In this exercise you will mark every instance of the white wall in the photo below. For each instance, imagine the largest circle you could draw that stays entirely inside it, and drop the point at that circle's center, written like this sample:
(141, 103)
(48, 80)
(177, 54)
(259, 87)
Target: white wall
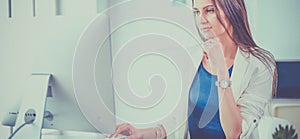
(275, 26)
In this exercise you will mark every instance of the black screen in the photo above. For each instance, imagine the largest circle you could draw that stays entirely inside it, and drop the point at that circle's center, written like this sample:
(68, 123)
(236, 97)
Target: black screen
(288, 79)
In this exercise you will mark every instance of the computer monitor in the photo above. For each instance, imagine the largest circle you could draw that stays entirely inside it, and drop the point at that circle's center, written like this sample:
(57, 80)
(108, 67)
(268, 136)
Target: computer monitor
(51, 45)
(288, 79)
(80, 95)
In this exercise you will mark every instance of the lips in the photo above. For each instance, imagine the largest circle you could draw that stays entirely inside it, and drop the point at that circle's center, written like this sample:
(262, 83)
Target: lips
(205, 29)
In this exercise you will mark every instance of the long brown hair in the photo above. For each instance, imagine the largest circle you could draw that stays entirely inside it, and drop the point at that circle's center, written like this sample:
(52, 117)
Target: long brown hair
(235, 12)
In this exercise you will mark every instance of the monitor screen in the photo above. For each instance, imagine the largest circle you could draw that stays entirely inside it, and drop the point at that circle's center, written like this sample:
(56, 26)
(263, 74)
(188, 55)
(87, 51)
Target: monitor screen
(288, 79)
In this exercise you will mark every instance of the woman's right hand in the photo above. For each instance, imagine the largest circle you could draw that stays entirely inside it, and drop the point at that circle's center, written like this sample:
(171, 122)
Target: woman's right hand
(127, 130)
(214, 53)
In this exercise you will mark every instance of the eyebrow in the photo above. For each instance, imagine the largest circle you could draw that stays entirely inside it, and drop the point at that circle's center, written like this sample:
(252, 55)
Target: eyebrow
(207, 6)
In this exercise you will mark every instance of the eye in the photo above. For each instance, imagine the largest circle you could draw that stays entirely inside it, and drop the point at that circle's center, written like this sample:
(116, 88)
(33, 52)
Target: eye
(210, 10)
(196, 12)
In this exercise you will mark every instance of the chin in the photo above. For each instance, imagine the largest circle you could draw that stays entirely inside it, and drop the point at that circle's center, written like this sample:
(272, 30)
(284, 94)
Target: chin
(208, 36)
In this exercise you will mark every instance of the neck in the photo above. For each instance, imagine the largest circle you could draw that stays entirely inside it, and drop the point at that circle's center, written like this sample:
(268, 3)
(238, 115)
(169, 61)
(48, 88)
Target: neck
(229, 47)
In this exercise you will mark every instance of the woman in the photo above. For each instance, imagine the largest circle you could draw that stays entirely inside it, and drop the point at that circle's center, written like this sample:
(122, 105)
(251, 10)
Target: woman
(235, 77)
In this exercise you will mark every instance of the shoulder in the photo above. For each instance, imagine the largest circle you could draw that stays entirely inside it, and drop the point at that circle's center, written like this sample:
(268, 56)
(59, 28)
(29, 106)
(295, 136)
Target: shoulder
(254, 64)
(257, 65)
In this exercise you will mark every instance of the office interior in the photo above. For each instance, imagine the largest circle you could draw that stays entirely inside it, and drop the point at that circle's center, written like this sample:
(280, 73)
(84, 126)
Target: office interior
(35, 33)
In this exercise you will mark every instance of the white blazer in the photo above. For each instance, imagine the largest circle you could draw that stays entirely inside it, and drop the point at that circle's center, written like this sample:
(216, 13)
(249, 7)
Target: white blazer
(251, 87)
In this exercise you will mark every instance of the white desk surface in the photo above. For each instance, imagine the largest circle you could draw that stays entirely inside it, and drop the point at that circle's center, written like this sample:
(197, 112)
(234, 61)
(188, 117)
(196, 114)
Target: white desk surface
(55, 134)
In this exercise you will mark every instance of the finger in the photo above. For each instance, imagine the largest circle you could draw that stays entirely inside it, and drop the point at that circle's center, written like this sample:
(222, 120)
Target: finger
(117, 132)
(207, 43)
(125, 125)
(111, 135)
(117, 129)
(211, 44)
(207, 46)
(205, 54)
(121, 125)
(123, 128)
(212, 41)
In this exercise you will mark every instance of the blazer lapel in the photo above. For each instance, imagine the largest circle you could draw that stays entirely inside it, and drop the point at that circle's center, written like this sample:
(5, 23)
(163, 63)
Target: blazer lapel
(240, 67)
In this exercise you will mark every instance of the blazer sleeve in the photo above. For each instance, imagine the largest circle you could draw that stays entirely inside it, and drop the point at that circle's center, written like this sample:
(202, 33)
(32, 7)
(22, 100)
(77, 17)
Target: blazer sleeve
(253, 101)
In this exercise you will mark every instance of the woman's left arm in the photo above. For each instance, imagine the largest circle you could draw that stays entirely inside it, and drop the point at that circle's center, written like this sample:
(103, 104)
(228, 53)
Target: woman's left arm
(230, 116)
(255, 97)
(240, 118)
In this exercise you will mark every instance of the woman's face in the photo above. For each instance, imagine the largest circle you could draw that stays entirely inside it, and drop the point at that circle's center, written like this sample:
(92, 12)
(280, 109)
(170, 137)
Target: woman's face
(207, 20)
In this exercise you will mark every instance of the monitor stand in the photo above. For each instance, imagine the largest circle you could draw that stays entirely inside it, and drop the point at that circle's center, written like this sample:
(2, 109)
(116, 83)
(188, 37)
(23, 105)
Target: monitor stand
(33, 107)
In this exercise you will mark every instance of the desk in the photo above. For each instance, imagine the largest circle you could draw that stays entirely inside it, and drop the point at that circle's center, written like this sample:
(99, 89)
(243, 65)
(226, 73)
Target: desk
(55, 134)
(288, 109)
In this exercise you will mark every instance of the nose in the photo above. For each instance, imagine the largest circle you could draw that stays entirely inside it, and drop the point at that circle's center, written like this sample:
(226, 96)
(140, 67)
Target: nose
(202, 19)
